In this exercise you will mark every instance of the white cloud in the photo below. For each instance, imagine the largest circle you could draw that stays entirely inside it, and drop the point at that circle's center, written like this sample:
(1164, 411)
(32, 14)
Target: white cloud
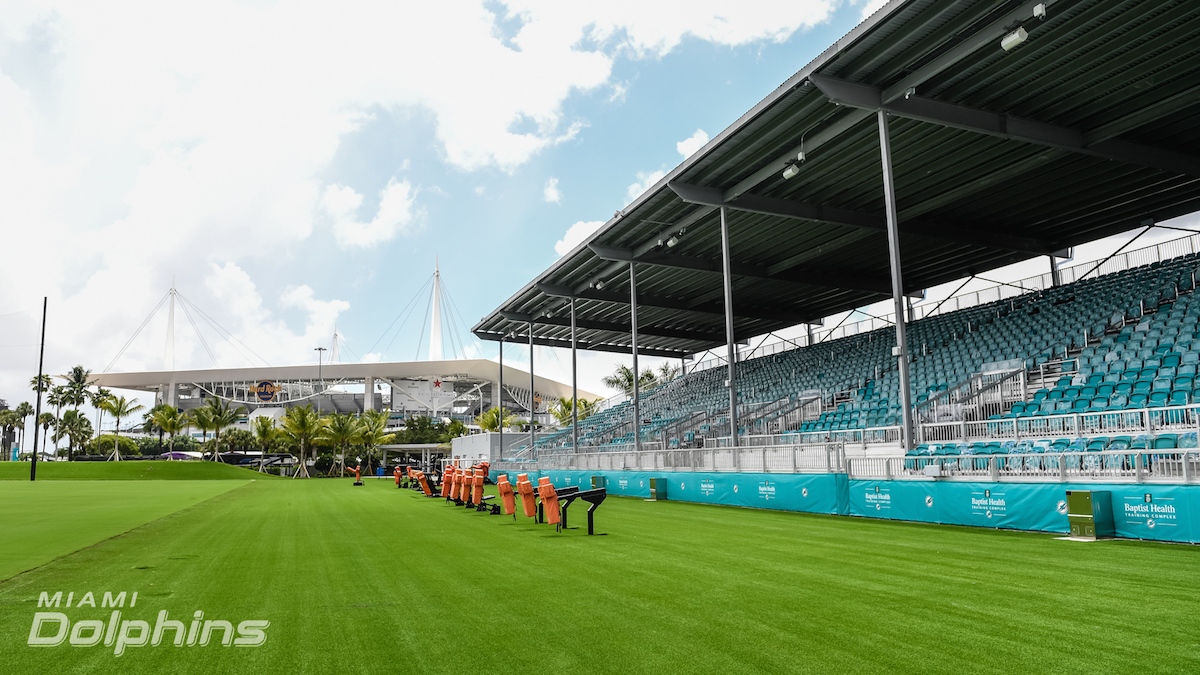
(871, 7)
(185, 135)
(690, 145)
(644, 182)
(575, 236)
(395, 214)
(550, 191)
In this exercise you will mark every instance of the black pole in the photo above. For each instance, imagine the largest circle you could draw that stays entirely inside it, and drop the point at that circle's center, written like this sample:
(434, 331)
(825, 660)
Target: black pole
(38, 410)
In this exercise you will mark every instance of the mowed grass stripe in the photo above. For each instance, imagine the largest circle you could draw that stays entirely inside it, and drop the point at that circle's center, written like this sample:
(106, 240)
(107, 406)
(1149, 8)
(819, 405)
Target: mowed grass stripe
(131, 470)
(375, 579)
(44, 520)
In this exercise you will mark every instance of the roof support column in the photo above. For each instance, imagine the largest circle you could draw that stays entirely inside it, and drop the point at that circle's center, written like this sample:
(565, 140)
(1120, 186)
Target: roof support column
(369, 394)
(499, 398)
(532, 398)
(637, 406)
(730, 342)
(1055, 280)
(574, 385)
(893, 228)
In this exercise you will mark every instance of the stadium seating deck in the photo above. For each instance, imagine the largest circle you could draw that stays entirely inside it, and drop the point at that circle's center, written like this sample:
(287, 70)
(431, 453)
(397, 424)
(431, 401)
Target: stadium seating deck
(1120, 342)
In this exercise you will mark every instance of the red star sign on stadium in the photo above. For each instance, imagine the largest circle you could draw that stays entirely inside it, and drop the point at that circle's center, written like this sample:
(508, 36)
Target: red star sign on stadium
(437, 383)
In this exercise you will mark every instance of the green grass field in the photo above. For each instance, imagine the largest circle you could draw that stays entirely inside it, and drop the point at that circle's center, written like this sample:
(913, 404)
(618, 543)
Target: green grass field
(375, 579)
(132, 470)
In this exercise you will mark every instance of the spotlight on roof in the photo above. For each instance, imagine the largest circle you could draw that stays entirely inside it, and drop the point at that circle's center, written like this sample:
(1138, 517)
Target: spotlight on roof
(909, 93)
(672, 241)
(599, 285)
(1010, 41)
(790, 172)
(1039, 11)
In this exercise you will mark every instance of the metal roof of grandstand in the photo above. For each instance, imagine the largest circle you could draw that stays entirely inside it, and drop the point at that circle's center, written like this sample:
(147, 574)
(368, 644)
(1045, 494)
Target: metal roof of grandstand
(1084, 130)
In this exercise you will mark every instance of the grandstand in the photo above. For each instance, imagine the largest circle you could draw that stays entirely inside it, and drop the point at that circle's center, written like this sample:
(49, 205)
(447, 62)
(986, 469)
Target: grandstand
(935, 142)
(1121, 341)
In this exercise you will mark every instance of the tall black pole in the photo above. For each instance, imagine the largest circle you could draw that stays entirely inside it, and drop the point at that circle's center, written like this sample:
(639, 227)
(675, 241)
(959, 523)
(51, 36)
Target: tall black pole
(37, 423)
(500, 412)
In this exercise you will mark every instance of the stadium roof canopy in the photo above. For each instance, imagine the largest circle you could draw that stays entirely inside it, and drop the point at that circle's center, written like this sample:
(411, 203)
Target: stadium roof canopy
(1084, 130)
(481, 370)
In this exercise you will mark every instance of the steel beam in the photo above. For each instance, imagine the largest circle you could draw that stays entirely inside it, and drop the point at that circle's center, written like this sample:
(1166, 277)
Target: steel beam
(981, 121)
(824, 278)
(565, 343)
(889, 193)
(730, 340)
(574, 384)
(788, 208)
(633, 333)
(532, 400)
(983, 36)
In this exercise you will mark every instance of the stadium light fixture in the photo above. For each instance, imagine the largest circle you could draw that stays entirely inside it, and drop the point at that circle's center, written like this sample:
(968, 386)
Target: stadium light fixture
(672, 241)
(1010, 41)
(791, 171)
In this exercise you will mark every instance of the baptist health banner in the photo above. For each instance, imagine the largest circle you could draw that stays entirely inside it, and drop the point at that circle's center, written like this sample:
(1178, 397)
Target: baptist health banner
(1162, 512)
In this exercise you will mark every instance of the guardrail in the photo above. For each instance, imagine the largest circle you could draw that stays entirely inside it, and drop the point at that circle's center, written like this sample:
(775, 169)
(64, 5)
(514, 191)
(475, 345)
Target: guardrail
(1138, 466)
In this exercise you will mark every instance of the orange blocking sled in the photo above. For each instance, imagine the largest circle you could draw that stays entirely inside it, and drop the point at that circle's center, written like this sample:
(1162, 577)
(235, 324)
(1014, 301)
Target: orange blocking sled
(525, 489)
(477, 484)
(505, 489)
(424, 483)
(464, 485)
(549, 500)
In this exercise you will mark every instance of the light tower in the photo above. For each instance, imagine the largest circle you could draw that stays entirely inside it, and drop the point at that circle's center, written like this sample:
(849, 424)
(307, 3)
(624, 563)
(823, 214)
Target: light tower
(435, 330)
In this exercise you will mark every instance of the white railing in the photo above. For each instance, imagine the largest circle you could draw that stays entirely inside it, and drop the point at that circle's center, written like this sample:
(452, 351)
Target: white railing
(1118, 263)
(1138, 466)
(1139, 422)
(822, 458)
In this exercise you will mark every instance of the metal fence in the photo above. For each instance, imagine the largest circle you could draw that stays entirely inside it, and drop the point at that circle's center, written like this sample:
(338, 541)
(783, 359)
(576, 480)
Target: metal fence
(1142, 466)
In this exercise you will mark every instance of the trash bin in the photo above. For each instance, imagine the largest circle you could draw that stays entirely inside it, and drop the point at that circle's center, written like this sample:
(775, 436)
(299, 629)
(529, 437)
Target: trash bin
(598, 482)
(658, 489)
(1089, 513)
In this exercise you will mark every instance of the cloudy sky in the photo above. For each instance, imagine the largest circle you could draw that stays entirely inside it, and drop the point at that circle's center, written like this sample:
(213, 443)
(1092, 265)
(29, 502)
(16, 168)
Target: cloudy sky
(292, 166)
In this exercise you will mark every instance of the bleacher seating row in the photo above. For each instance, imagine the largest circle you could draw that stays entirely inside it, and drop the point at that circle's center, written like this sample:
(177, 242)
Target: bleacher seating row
(1123, 341)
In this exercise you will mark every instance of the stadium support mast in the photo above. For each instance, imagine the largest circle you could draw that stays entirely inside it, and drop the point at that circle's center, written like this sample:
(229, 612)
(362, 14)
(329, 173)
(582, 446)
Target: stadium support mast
(169, 352)
(893, 225)
(435, 330)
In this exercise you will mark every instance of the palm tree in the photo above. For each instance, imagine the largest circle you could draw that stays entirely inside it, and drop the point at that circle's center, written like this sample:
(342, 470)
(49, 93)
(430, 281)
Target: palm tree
(8, 422)
(342, 432)
(56, 398)
(622, 380)
(562, 410)
(303, 425)
(45, 380)
(77, 429)
(76, 394)
(221, 416)
(47, 420)
(667, 372)
(99, 400)
(201, 418)
(24, 410)
(150, 424)
(119, 407)
(374, 431)
(265, 433)
(494, 419)
(168, 419)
